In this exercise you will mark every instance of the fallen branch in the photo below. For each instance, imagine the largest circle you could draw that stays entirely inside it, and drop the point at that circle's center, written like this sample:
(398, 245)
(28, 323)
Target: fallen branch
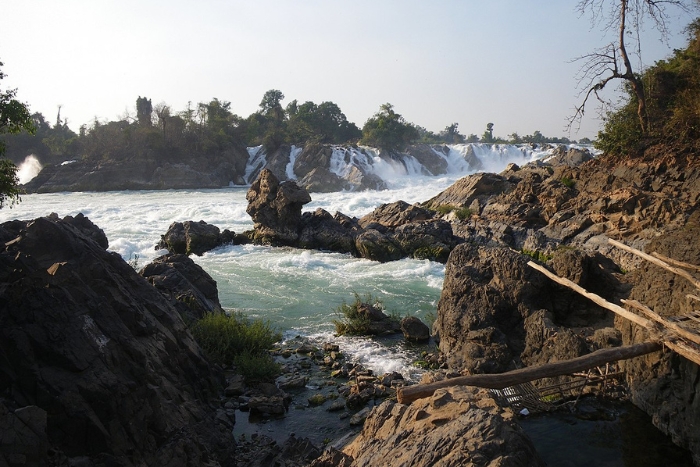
(408, 394)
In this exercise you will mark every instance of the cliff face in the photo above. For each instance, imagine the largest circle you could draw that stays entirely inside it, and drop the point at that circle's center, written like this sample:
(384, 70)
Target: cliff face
(94, 360)
(666, 385)
(493, 312)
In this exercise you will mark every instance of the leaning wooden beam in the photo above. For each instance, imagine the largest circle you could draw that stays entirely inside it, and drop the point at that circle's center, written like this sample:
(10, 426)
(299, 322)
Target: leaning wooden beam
(593, 297)
(661, 320)
(657, 262)
(686, 349)
(408, 394)
(675, 262)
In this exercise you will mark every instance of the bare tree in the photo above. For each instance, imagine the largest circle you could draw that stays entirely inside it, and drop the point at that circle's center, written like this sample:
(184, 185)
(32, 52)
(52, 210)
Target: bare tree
(612, 61)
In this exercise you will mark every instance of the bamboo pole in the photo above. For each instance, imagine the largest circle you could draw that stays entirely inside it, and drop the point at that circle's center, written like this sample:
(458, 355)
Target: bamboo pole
(593, 297)
(664, 322)
(408, 394)
(657, 262)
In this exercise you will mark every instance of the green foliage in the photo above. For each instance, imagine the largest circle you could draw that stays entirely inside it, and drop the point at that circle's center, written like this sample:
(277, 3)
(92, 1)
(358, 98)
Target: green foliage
(672, 100)
(14, 118)
(234, 339)
(536, 255)
(257, 367)
(462, 213)
(351, 321)
(388, 130)
(567, 182)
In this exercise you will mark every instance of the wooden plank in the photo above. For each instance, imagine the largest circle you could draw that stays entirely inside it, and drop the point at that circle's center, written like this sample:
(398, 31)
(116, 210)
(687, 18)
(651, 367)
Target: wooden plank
(657, 262)
(593, 297)
(684, 333)
(408, 394)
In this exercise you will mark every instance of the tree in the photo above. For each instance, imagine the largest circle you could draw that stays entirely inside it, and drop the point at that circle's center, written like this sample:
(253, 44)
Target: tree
(488, 134)
(612, 61)
(388, 130)
(451, 135)
(14, 118)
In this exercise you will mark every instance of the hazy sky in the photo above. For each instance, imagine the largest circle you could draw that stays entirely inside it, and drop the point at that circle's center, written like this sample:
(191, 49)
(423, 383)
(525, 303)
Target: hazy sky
(437, 61)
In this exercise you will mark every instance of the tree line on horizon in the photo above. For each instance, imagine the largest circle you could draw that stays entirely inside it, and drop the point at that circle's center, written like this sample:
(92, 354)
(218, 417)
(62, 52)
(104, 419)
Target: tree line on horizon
(210, 128)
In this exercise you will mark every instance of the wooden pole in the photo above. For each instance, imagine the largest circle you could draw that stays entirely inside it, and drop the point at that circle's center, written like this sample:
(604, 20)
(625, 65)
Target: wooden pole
(593, 297)
(661, 320)
(408, 394)
(675, 262)
(657, 262)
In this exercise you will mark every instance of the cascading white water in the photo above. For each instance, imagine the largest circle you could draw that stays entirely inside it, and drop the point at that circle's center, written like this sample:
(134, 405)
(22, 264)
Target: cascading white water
(293, 153)
(28, 169)
(395, 169)
(256, 161)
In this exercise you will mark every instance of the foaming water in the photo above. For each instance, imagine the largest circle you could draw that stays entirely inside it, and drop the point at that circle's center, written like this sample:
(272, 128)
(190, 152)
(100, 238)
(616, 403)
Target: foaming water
(298, 291)
(28, 169)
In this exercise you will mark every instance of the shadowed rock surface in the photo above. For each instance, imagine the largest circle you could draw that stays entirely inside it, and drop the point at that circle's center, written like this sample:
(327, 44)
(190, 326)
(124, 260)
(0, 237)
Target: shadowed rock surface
(96, 360)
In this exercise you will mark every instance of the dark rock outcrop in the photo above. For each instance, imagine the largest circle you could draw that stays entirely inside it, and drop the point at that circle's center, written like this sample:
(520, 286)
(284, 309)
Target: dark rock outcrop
(276, 209)
(96, 360)
(665, 384)
(495, 311)
(191, 237)
(180, 279)
(414, 329)
(391, 232)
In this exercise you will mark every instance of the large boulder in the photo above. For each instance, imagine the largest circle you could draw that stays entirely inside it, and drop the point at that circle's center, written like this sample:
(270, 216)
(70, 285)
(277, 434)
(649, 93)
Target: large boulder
(193, 237)
(180, 279)
(91, 346)
(496, 313)
(455, 427)
(276, 209)
(321, 231)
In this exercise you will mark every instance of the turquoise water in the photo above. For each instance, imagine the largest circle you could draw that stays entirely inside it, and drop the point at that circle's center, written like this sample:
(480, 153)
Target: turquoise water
(298, 291)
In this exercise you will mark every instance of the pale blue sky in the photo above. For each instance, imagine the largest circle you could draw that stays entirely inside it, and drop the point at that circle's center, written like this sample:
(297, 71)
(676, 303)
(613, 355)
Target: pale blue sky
(503, 61)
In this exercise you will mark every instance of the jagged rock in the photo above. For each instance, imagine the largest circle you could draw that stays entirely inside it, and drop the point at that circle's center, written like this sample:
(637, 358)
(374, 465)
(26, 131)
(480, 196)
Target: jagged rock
(322, 231)
(374, 245)
(431, 239)
(180, 279)
(486, 294)
(23, 436)
(100, 351)
(414, 329)
(395, 214)
(193, 237)
(664, 384)
(466, 190)
(571, 157)
(455, 427)
(276, 209)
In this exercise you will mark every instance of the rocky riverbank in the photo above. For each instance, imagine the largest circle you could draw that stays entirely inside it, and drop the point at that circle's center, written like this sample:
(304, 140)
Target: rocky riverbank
(121, 381)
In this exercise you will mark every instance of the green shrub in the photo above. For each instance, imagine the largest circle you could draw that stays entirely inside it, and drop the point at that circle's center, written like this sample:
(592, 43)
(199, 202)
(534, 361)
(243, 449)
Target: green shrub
(463, 213)
(568, 182)
(444, 209)
(351, 322)
(257, 367)
(234, 339)
(536, 255)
